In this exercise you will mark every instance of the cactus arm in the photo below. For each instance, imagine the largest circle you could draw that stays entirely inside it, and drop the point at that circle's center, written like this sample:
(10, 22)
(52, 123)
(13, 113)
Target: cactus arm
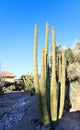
(59, 70)
(47, 78)
(36, 79)
(43, 92)
(46, 51)
(53, 89)
(46, 38)
(62, 88)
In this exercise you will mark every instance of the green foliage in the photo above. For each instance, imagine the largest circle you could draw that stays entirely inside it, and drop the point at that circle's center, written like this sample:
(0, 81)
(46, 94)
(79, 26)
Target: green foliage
(28, 80)
(73, 54)
(77, 46)
(73, 60)
(8, 88)
(73, 72)
(76, 55)
(69, 56)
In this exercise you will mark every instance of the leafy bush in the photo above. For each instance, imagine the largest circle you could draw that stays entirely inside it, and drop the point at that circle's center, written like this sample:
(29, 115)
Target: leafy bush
(29, 84)
(8, 88)
(75, 95)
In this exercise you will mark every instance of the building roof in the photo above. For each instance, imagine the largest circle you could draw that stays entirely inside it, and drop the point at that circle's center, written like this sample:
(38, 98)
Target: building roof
(6, 74)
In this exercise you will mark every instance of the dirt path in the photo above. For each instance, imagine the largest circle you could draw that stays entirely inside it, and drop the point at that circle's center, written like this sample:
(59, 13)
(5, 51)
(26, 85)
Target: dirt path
(69, 121)
(6, 103)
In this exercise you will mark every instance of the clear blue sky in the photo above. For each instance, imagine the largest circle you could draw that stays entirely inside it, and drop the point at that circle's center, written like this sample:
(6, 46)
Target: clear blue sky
(17, 20)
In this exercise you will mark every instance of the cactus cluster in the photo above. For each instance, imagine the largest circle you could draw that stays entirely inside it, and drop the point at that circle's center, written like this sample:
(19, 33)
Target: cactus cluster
(50, 93)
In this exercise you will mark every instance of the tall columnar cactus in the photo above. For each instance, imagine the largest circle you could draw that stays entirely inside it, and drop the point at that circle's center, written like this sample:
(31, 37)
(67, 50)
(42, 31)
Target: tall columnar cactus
(36, 79)
(44, 84)
(59, 80)
(46, 38)
(46, 52)
(47, 77)
(50, 101)
(62, 88)
(53, 89)
(43, 92)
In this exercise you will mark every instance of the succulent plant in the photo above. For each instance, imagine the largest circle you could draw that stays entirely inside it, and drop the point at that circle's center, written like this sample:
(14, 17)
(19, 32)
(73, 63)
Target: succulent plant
(50, 100)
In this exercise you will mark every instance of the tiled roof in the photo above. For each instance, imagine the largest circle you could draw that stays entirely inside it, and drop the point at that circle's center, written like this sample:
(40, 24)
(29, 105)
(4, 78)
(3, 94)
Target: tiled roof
(7, 74)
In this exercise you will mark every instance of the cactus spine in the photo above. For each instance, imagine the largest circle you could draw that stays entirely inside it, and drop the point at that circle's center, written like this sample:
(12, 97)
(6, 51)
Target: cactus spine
(53, 89)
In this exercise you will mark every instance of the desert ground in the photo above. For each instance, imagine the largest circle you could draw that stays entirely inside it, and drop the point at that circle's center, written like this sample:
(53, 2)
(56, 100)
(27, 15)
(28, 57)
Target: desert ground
(31, 116)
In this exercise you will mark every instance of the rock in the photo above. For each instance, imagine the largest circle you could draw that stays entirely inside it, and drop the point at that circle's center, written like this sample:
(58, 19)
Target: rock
(70, 121)
(38, 127)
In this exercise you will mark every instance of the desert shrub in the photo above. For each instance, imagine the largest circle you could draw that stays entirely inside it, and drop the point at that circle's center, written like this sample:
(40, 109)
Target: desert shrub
(19, 85)
(75, 95)
(8, 88)
(73, 72)
(29, 84)
(69, 56)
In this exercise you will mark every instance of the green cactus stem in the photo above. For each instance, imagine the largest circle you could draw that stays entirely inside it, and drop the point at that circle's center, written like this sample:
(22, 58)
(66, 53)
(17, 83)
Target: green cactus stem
(36, 79)
(50, 96)
(46, 51)
(62, 88)
(47, 76)
(43, 92)
(46, 38)
(53, 89)
(59, 80)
